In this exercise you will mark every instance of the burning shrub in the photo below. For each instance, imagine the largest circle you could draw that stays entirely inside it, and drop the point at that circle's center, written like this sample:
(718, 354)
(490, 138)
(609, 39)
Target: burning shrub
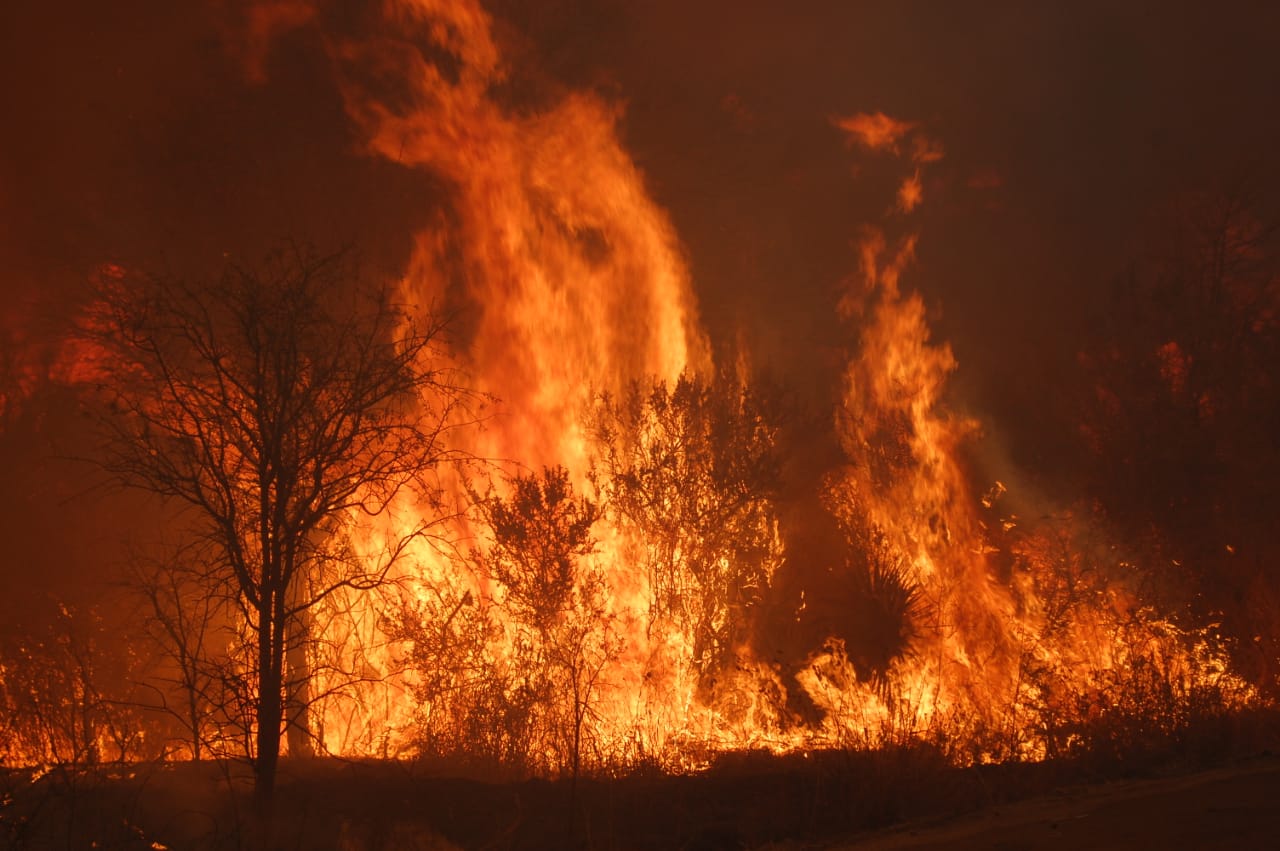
(1105, 674)
(469, 707)
(561, 634)
(693, 471)
(64, 696)
(513, 678)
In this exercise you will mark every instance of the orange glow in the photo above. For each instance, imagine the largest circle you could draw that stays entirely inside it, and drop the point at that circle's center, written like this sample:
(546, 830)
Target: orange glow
(1003, 637)
(574, 279)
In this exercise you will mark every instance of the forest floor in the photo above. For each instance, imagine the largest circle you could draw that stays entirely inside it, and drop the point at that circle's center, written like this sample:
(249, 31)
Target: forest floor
(903, 799)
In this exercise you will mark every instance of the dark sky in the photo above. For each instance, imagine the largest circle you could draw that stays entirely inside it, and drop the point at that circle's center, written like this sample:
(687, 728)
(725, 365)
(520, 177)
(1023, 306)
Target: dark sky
(1067, 128)
(131, 133)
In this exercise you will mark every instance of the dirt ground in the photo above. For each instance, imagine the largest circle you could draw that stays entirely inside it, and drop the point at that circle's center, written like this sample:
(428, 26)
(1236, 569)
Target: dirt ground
(1237, 807)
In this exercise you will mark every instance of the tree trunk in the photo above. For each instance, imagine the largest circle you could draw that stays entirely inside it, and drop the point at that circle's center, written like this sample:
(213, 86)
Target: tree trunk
(298, 685)
(270, 710)
(193, 713)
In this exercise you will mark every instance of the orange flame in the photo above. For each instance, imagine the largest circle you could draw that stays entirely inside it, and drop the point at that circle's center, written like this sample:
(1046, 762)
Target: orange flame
(571, 283)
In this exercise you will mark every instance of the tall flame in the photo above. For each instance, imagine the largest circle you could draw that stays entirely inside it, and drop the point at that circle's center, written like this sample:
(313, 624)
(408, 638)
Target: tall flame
(572, 272)
(907, 481)
(567, 277)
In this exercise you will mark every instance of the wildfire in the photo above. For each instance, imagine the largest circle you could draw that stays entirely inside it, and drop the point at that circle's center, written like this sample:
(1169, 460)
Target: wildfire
(575, 278)
(596, 601)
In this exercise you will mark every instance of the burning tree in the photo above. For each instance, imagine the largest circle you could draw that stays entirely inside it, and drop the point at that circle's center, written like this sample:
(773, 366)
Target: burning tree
(539, 538)
(695, 469)
(275, 407)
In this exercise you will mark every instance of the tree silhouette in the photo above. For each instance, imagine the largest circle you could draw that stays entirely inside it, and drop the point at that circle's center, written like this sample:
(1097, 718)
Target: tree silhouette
(181, 618)
(276, 406)
(1179, 413)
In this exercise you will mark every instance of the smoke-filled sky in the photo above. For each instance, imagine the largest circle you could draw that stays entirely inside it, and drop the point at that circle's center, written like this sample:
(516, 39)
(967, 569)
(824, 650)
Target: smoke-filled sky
(166, 135)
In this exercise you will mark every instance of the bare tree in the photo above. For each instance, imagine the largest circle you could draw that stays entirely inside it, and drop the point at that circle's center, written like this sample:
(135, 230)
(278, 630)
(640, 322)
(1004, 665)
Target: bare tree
(275, 407)
(186, 614)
